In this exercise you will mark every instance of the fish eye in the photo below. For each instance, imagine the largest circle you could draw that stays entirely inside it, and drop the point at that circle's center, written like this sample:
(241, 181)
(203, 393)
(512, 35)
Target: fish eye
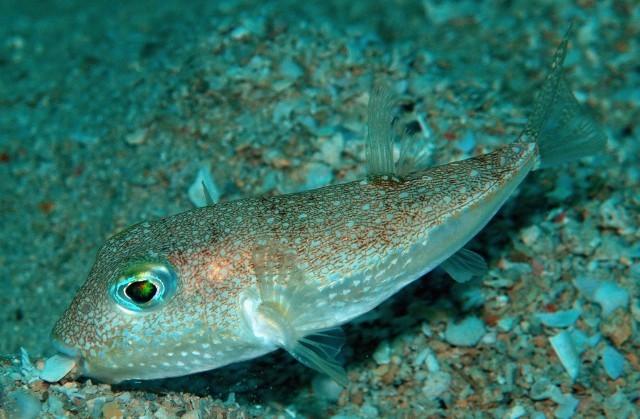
(143, 287)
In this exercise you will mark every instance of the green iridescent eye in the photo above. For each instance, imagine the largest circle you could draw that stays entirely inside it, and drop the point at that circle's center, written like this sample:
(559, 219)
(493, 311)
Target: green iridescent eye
(143, 287)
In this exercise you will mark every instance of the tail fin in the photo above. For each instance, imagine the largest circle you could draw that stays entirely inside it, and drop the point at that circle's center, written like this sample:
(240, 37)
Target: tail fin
(557, 123)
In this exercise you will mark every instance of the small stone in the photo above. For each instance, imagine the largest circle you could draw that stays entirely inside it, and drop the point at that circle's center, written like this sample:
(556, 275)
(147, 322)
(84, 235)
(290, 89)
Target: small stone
(613, 362)
(192, 414)
(124, 397)
(325, 388)
(530, 235)
(162, 413)
(318, 175)
(505, 324)
(619, 406)
(436, 384)
(466, 333)
(56, 367)
(617, 327)
(567, 405)
(111, 410)
(382, 354)
(568, 354)
(608, 295)
(563, 318)
(331, 149)
(136, 137)
(23, 405)
(516, 412)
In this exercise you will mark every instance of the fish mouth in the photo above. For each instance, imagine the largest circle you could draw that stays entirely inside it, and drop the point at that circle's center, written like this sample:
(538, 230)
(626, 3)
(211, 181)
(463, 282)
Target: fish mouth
(64, 348)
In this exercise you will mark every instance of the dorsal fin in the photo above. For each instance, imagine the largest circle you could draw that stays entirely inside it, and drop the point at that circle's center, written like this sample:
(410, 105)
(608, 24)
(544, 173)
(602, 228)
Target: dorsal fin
(382, 135)
(381, 122)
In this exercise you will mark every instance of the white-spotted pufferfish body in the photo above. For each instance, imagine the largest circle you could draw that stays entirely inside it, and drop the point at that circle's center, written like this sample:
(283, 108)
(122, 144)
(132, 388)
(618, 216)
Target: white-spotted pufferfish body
(233, 281)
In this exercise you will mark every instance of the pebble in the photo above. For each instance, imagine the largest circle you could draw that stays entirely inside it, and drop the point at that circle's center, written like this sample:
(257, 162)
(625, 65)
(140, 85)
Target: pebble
(567, 405)
(516, 412)
(617, 327)
(331, 150)
(560, 319)
(136, 137)
(23, 405)
(505, 324)
(111, 410)
(468, 332)
(56, 367)
(318, 175)
(613, 362)
(325, 388)
(468, 142)
(382, 354)
(607, 295)
(436, 384)
(567, 353)
(619, 406)
(530, 235)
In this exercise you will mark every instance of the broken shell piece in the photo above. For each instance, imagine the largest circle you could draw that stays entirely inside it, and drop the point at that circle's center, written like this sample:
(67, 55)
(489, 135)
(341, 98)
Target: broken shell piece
(608, 295)
(613, 362)
(203, 191)
(567, 353)
(560, 319)
(56, 367)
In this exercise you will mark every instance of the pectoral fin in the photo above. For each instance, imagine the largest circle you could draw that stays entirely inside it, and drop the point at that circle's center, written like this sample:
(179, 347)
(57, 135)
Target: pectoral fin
(319, 351)
(284, 311)
(464, 265)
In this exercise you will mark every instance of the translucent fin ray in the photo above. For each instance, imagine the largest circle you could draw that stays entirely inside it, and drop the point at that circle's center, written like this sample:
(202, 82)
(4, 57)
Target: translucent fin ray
(288, 305)
(379, 144)
(464, 265)
(557, 122)
(413, 153)
(318, 352)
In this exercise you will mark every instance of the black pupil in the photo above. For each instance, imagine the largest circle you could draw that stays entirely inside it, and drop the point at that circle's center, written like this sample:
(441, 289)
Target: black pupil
(141, 291)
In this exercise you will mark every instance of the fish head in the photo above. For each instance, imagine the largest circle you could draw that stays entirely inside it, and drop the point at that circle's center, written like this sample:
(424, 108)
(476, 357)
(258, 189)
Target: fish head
(147, 311)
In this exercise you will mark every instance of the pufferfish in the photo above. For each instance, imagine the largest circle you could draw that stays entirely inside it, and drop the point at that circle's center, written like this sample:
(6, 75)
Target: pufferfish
(233, 281)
